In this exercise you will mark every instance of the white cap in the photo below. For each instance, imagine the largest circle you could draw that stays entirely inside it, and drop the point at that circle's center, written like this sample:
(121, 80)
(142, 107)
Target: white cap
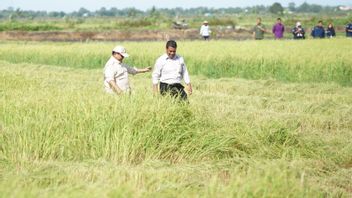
(121, 50)
(298, 24)
(205, 21)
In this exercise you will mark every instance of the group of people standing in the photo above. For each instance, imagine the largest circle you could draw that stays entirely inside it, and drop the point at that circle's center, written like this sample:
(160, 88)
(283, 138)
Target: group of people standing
(278, 30)
(169, 70)
(298, 31)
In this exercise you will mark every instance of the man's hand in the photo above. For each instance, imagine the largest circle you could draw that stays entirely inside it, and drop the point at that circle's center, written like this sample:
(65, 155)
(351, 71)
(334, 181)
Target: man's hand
(189, 89)
(115, 88)
(155, 89)
(147, 69)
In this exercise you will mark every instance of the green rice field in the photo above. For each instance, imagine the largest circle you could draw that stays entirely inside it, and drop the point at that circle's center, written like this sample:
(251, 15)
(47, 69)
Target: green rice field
(266, 119)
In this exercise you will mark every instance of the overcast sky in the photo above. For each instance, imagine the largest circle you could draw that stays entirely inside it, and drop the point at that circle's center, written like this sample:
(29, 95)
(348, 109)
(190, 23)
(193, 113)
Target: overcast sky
(92, 5)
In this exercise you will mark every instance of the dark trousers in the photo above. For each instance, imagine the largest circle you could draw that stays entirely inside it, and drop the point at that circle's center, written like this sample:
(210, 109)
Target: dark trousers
(175, 90)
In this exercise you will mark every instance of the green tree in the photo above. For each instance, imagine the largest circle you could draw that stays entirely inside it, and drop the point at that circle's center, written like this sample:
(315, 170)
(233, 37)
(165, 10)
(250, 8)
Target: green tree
(315, 8)
(276, 8)
(305, 7)
(292, 6)
(153, 12)
(82, 11)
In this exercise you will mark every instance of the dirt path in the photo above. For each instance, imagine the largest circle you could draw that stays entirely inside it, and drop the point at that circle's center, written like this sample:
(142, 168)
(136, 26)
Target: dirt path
(145, 35)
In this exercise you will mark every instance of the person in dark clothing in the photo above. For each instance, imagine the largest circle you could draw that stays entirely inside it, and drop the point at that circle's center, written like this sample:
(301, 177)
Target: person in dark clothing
(349, 30)
(298, 31)
(318, 31)
(330, 31)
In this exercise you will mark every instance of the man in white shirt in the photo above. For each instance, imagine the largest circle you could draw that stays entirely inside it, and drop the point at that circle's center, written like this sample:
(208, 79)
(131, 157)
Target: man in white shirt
(170, 69)
(205, 30)
(116, 72)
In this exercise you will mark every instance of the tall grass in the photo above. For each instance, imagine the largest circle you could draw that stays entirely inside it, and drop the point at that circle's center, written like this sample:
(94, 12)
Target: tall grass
(288, 61)
(61, 135)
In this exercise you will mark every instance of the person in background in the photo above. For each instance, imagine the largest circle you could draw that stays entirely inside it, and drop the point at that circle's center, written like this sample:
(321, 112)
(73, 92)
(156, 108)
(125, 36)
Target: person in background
(170, 69)
(278, 29)
(259, 30)
(318, 31)
(298, 31)
(349, 30)
(330, 31)
(205, 30)
(116, 72)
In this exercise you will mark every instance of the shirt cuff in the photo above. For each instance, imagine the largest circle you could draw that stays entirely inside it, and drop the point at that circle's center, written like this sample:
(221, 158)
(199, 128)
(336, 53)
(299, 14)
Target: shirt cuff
(155, 82)
(108, 79)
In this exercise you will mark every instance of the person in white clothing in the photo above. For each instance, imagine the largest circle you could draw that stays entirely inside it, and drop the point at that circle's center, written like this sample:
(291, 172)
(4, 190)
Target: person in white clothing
(116, 72)
(205, 30)
(170, 69)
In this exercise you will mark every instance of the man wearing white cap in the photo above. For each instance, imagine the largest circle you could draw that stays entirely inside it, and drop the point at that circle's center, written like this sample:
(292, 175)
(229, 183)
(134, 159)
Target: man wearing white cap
(298, 32)
(205, 30)
(116, 72)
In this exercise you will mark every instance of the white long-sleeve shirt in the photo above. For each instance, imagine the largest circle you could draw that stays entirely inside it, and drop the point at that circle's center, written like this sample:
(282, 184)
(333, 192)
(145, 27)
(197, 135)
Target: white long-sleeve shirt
(205, 30)
(118, 72)
(170, 71)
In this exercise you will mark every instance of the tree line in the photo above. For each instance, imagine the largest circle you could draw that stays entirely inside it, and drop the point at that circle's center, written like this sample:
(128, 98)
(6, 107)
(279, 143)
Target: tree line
(275, 8)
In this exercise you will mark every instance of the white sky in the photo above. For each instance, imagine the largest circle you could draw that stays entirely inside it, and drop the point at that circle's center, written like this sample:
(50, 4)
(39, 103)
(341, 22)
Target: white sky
(92, 5)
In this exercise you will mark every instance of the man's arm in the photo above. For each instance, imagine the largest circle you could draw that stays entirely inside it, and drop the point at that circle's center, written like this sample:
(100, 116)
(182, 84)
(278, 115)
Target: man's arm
(293, 31)
(135, 70)
(186, 78)
(262, 28)
(253, 30)
(147, 69)
(115, 88)
(156, 76)
(109, 74)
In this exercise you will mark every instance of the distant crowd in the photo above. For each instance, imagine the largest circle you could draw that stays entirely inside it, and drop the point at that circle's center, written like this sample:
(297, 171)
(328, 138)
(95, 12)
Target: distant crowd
(278, 30)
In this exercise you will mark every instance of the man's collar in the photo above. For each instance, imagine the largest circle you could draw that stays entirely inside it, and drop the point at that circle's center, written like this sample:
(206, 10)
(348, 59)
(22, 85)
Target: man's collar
(167, 57)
